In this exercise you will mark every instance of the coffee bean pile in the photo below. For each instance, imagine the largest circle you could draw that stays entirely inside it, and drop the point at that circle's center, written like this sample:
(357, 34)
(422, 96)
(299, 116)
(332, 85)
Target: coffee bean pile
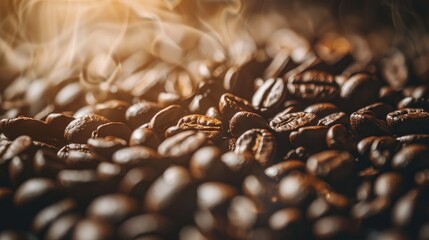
(267, 150)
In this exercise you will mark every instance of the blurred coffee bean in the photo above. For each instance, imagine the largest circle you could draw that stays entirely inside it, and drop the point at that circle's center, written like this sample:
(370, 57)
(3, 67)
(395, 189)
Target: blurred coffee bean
(144, 225)
(243, 121)
(63, 227)
(288, 223)
(379, 110)
(260, 142)
(269, 96)
(375, 213)
(138, 156)
(206, 165)
(359, 90)
(310, 137)
(215, 197)
(414, 139)
(335, 227)
(80, 129)
(140, 113)
(144, 137)
(239, 165)
(411, 158)
(382, 151)
(112, 208)
(407, 212)
(106, 146)
(365, 125)
(70, 97)
(408, 121)
(137, 181)
(213, 112)
(208, 95)
(166, 117)
(109, 172)
(57, 123)
(20, 169)
(389, 185)
(280, 170)
(88, 229)
(313, 86)
(211, 127)
(21, 145)
(182, 145)
(112, 129)
(13, 128)
(230, 104)
(338, 137)
(296, 189)
(325, 206)
(14, 235)
(244, 215)
(114, 110)
(410, 102)
(322, 109)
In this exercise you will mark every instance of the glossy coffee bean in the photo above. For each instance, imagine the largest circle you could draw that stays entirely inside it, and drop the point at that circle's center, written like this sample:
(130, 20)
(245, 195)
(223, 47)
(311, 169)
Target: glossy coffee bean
(334, 118)
(114, 110)
(311, 137)
(106, 146)
(322, 109)
(144, 137)
(137, 156)
(288, 122)
(313, 86)
(296, 189)
(101, 208)
(78, 156)
(57, 123)
(166, 118)
(21, 145)
(243, 121)
(211, 127)
(411, 158)
(280, 170)
(15, 127)
(182, 145)
(379, 110)
(140, 113)
(206, 165)
(80, 129)
(339, 137)
(260, 142)
(230, 104)
(359, 90)
(410, 102)
(408, 121)
(414, 139)
(88, 229)
(382, 151)
(269, 96)
(112, 129)
(365, 125)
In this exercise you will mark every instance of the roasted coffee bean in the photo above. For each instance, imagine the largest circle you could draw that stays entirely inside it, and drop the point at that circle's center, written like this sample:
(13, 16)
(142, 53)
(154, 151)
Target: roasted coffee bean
(171, 131)
(112, 129)
(244, 215)
(338, 137)
(145, 225)
(213, 112)
(211, 127)
(334, 118)
(311, 137)
(313, 86)
(336, 167)
(114, 110)
(47, 216)
(375, 213)
(80, 129)
(109, 172)
(13, 128)
(288, 223)
(173, 194)
(79, 156)
(138, 156)
(70, 97)
(20, 145)
(365, 125)
(408, 121)
(137, 181)
(411, 158)
(389, 95)
(15, 235)
(208, 94)
(406, 212)
(382, 151)
(269, 96)
(20, 169)
(296, 189)
(215, 197)
(206, 165)
(140, 113)
(364, 146)
(330, 204)
(260, 189)
(322, 109)
(166, 117)
(63, 227)
(281, 64)
(144, 137)
(243, 121)
(230, 104)
(106, 146)
(57, 123)
(414, 139)
(421, 178)
(389, 185)
(260, 142)
(359, 90)
(88, 229)
(280, 170)
(410, 102)
(182, 145)
(101, 208)
(47, 164)
(335, 227)
(288, 122)
(379, 110)
(299, 153)
(239, 166)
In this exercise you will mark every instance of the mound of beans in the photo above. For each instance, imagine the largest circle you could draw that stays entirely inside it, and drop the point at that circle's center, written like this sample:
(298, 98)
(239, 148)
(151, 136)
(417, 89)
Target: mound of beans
(308, 150)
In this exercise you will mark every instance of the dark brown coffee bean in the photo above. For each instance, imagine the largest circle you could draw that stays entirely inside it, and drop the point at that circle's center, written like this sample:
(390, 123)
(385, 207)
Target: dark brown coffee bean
(411, 158)
(394, 69)
(389, 185)
(80, 129)
(14, 235)
(288, 223)
(88, 229)
(329, 204)
(112, 129)
(313, 86)
(338, 137)
(243, 121)
(260, 142)
(312, 137)
(173, 194)
(166, 118)
(230, 104)
(296, 189)
(406, 212)
(375, 213)
(109, 172)
(57, 123)
(114, 110)
(299, 153)
(408, 121)
(137, 181)
(334, 118)
(336, 167)
(335, 227)
(365, 125)
(364, 146)
(47, 164)
(379, 110)
(392, 235)
(359, 90)
(244, 215)
(137, 156)
(269, 96)
(70, 97)
(145, 225)
(260, 189)
(215, 197)
(13, 128)
(47, 216)
(20, 169)
(20, 145)
(79, 156)
(171, 131)
(389, 95)
(206, 165)
(140, 113)
(281, 64)
(280, 170)
(208, 95)
(211, 127)
(322, 109)
(421, 178)
(106, 146)
(144, 137)
(239, 165)
(182, 145)
(414, 139)
(288, 122)
(410, 102)
(213, 112)
(63, 227)
(101, 208)
(382, 151)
